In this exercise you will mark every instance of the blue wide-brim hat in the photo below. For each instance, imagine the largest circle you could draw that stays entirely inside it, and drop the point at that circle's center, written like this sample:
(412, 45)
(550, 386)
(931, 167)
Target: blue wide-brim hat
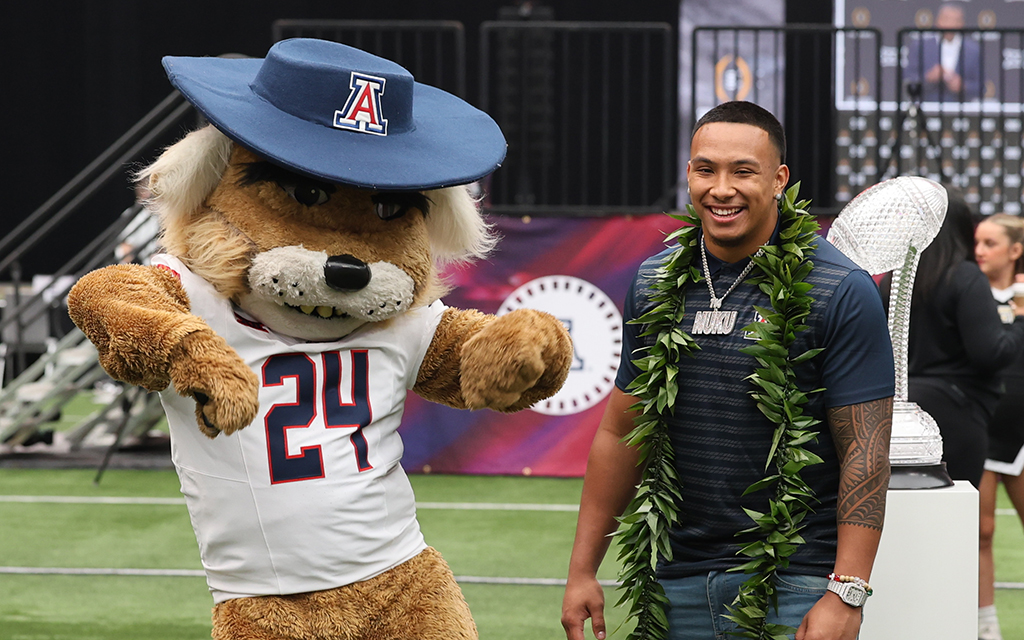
(339, 114)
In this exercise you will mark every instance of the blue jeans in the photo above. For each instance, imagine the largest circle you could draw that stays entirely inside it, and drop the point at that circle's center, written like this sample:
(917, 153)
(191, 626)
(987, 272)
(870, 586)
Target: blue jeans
(697, 603)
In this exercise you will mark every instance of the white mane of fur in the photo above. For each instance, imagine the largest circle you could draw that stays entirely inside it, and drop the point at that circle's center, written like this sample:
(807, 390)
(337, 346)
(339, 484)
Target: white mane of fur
(188, 171)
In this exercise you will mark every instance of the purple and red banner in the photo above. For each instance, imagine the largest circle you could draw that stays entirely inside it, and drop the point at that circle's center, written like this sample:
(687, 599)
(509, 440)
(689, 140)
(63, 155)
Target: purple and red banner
(577, 269)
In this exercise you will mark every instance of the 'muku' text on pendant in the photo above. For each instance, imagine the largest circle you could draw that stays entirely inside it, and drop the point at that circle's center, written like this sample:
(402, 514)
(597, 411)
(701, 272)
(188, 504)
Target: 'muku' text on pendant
(713, 322)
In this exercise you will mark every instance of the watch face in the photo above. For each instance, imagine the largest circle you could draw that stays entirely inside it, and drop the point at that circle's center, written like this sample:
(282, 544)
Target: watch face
(855, 595)
(849, 592)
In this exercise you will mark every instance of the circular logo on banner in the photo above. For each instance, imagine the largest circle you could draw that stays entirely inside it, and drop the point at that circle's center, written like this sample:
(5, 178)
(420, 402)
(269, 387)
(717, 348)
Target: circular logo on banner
(595, 325)
(732, 80)
(861, 17)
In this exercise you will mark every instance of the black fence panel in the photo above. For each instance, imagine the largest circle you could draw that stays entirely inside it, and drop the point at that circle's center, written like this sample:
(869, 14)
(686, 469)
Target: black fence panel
(588, 109)
(434, 51)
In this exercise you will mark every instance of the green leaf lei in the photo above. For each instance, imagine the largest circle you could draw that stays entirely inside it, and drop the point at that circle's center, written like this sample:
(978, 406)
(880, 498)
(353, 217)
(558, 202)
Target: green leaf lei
(644, 528)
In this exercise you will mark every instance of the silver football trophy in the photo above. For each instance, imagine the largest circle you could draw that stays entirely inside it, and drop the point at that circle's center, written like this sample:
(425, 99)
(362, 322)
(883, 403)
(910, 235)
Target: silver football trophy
(885, 228)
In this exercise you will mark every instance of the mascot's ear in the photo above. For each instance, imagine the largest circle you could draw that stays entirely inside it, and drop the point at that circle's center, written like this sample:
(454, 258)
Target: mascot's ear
(456, 228)
(187, 172)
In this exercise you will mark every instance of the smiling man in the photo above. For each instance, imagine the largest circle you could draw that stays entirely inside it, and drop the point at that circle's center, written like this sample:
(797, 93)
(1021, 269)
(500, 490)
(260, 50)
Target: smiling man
(733, 175)
(720, 438)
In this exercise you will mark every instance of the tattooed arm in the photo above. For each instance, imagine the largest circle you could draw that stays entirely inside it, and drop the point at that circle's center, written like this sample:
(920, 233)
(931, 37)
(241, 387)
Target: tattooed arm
(861, 434)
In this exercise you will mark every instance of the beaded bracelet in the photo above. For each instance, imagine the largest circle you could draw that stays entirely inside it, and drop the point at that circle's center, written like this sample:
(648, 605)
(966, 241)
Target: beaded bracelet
(860, 582)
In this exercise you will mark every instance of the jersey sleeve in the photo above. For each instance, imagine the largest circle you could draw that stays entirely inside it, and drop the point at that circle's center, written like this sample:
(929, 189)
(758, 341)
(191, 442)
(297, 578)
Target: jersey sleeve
(630, 341)
(170, 263)
(858, 363)
(422, 331)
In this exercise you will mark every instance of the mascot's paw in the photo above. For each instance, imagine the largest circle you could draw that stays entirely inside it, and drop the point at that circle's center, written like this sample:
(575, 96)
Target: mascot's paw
(515, 361)
(226, 391)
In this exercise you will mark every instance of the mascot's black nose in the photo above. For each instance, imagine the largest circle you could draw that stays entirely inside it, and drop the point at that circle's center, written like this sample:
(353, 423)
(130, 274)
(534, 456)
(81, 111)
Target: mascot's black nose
(346, 273)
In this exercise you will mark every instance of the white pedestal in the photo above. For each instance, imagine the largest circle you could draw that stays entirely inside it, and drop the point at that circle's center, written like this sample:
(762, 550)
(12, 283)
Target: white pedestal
(925, 576)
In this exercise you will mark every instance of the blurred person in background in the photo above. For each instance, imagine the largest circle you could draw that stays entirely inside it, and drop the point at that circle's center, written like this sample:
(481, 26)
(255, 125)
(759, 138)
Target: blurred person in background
(998, 248)
(958, 345)
(945, 66)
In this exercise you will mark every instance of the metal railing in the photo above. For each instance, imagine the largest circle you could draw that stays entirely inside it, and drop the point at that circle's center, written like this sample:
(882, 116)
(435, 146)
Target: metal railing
(588, 110)
(964, 130)
(20, 311)
(36, 323)
(434, 51)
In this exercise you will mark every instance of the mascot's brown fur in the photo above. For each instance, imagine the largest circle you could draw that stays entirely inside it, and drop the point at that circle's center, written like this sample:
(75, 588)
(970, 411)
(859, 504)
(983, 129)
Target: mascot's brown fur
(252, 230)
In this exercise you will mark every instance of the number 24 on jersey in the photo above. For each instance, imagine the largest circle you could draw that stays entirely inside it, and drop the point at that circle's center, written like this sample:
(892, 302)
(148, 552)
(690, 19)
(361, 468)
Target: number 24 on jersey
(310, 398)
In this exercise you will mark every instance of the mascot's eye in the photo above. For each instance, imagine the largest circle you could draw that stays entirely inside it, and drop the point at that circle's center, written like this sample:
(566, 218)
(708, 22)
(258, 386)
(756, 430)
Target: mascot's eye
(306, 194)
(304, 190)
(389, 210)
(391, 205)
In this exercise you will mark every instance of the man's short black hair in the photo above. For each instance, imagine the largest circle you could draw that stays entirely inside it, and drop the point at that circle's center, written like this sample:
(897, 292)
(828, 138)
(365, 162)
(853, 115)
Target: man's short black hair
(741, 112)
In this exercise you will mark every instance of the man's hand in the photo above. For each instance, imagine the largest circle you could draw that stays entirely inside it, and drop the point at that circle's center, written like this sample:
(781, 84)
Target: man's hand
(953, 81)
(610, 483)
(830, 619)
(584, 598)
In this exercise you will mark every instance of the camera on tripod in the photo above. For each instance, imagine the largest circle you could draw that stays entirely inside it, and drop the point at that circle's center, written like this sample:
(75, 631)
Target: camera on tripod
(914, 91)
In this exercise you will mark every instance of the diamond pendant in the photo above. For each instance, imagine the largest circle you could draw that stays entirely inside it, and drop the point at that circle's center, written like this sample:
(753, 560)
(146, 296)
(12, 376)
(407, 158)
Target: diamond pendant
(713, 322)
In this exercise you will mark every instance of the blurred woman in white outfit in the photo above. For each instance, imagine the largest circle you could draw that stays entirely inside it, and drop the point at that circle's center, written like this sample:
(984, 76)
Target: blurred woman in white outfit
(998, 248)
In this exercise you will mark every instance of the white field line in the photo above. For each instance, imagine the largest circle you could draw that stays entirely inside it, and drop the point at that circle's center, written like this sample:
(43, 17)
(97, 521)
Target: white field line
(482, 506)
(88, 571)
(193, 573)
(92, 500)
(497, 506)
(462, 506)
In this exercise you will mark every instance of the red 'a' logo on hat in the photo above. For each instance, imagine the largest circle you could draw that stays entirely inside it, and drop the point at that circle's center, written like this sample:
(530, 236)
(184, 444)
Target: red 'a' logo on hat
(362, 109)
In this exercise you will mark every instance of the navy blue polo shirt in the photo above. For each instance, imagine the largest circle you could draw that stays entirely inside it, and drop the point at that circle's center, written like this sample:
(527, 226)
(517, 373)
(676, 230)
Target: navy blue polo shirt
(721, 440)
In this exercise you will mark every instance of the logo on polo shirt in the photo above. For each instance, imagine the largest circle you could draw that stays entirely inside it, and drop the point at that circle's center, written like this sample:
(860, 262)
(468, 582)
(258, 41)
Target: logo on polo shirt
(362, 110)
(750, 335)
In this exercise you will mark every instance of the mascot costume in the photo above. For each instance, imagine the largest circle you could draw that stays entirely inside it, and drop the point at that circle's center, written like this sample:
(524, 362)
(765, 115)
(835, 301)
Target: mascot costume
(296, 303)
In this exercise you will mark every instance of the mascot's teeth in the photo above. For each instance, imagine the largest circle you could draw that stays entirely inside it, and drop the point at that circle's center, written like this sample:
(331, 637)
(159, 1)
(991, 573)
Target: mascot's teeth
(322, 311)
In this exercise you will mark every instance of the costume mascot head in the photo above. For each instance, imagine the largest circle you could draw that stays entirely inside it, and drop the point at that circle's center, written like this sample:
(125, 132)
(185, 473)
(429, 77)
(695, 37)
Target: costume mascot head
(296, 303)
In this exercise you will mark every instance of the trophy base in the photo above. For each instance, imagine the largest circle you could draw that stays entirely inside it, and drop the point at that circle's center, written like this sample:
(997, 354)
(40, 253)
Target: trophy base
(920, 476)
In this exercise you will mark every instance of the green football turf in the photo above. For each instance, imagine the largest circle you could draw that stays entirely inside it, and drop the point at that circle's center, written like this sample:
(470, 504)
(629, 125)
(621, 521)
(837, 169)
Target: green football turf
(521, 544)
(54, 607)
(527, 544)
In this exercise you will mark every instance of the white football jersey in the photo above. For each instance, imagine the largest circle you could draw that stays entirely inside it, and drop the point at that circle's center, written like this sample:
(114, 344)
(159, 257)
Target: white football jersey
(311, 495)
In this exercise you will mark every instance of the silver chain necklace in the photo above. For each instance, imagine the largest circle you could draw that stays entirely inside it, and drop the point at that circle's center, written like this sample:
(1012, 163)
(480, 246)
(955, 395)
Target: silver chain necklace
(716, 321)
